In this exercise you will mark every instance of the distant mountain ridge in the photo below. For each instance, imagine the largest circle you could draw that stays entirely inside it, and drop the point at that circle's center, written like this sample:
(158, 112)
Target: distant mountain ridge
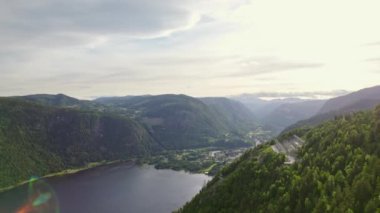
(278, 114)
(59, 100)
(260, 107)
(371, 94)
(364, 99)
(289, 113)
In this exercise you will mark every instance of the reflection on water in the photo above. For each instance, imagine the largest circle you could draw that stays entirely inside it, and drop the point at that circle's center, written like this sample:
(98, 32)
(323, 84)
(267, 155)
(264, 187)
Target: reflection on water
(40, 198)
(113, 189)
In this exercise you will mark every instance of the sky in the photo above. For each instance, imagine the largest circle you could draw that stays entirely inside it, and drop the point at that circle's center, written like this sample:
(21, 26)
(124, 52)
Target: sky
(92, 48)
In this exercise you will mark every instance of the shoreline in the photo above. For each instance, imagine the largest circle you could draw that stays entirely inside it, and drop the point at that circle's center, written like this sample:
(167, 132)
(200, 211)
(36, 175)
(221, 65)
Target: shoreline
(69, 172)
(93, 165)
(202, 172)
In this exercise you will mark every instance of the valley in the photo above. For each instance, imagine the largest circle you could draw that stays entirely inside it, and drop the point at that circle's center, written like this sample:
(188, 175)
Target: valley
(191, 106)
(44, 134)
(54, 136)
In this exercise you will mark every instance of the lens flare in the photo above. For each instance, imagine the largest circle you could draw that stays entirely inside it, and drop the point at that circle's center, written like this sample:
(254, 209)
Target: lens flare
(41, 198)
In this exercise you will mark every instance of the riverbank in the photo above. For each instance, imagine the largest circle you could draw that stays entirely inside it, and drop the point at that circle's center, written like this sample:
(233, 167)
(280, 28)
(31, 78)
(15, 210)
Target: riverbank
(69, 171)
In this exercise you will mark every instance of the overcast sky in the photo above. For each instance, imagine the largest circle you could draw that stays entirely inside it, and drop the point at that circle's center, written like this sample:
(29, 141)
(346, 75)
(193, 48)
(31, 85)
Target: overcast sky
(90, 48)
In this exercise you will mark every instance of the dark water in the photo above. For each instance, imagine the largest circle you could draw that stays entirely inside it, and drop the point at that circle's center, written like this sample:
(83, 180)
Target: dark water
(114, 189)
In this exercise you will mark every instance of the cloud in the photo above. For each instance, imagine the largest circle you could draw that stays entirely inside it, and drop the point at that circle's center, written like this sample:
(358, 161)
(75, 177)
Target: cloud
(373, 60)
(197, 47)
(308, 95)
(373, 44)
(260, 66)
(71, 22)
(188, 60)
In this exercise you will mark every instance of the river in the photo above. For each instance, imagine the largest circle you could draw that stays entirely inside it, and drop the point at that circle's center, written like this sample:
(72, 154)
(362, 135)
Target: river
(123, 188)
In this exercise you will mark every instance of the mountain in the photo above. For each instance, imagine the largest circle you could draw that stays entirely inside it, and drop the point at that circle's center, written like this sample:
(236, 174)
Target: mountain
(371, 95)
(180, 121)
(289, 113)
(364, 99)
(234, 114)
(277, 114)
(42, 134)
(60, 100)
(336, 170)
(37, 139)
(260, 107)
(112, 100)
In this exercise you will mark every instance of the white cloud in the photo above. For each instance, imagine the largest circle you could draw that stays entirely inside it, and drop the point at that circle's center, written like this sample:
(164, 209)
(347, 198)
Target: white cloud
(93, 47)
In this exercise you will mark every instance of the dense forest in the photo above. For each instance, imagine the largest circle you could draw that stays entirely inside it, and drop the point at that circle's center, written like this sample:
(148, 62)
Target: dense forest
(183, 122)
(38, 140)
(337, 170)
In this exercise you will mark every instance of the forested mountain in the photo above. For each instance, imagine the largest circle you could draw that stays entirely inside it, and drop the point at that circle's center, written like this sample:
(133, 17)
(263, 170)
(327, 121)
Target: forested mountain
(37, 139)
(233, 113)
(41, 134)
(337, 170)
(364, 99)
(180, 121)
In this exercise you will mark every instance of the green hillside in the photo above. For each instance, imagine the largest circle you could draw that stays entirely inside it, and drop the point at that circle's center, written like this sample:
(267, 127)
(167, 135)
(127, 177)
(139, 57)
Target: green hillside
(37, 140)
(337, 170)
(180, 121)
(237, 117)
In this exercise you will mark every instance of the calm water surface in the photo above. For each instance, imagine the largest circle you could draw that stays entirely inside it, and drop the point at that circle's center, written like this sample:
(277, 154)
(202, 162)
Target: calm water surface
(116, 189)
